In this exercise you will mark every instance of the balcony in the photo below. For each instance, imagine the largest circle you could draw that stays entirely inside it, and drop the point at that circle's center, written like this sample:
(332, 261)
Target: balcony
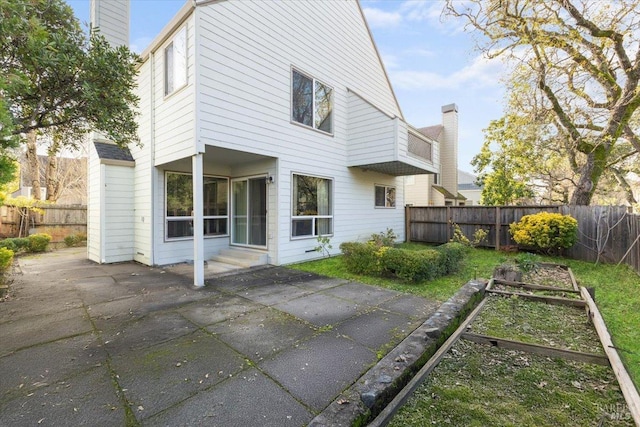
(386, 144)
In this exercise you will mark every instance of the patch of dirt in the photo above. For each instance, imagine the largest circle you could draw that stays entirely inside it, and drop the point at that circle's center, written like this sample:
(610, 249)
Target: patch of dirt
(549, 275)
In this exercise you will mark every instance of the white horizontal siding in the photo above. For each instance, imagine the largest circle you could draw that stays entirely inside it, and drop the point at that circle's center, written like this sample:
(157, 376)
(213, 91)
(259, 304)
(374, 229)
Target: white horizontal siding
(94, 188)
(111, 18)
(118, 245)
(174, 115)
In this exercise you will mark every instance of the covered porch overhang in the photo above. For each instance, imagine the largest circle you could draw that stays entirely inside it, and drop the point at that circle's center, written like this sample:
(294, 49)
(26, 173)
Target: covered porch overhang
(219, 162)
(397, 168)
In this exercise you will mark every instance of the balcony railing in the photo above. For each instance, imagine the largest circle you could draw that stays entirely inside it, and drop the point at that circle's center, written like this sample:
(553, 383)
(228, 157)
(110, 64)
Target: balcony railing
(420, 146)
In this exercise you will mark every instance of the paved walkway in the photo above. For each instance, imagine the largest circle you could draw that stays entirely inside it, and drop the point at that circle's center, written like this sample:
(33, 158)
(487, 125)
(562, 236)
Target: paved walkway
(125, 344)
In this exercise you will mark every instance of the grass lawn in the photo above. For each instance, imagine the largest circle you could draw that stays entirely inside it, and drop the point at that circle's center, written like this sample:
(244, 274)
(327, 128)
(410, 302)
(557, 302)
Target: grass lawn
(617, 291)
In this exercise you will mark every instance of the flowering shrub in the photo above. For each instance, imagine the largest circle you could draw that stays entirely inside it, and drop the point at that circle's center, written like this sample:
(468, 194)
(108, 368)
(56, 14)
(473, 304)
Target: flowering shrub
(6, 258)
(545, 231)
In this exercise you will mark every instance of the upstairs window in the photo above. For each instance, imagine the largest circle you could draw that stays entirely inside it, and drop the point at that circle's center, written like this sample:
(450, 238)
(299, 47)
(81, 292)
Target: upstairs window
(385, 196)
(175, 63)
(311, 102)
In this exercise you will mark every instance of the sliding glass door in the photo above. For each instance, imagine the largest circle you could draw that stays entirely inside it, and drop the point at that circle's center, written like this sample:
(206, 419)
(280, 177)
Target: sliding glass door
(249, 212)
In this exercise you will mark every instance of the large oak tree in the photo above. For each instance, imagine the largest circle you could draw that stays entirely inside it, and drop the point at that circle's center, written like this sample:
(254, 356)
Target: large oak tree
(60, 82)
(582, 60)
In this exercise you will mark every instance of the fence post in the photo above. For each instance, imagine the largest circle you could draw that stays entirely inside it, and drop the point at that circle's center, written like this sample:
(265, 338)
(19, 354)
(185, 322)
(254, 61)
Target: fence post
(449, 224)
(498, 227)
(407, 224)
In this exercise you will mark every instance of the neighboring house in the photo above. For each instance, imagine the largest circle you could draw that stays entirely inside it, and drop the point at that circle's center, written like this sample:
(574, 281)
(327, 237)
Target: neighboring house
(440, 189)
(71, 179)
(263, 126)
(468, 188)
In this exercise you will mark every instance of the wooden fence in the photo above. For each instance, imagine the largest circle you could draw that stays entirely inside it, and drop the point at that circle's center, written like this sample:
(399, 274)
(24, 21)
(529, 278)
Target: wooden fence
(605, 233)
(58, 221)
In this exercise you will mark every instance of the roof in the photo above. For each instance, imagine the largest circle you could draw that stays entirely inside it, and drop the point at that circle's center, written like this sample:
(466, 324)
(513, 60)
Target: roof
(447, 194)
(468, 186)
(107, 151)
(432, 132)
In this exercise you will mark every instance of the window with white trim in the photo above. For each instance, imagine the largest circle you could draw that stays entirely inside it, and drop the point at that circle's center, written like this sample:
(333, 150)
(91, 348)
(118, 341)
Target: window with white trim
(175, 63)
(385, 196)
(312, 214)
(311, 102)
(179, 205)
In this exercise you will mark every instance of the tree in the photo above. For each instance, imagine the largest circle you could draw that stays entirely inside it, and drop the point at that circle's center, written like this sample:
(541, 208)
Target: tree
(581, 59)
(59, 81)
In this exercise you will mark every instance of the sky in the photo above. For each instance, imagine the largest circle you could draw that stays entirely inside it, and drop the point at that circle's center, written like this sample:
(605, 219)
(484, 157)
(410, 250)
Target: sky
(430, 61)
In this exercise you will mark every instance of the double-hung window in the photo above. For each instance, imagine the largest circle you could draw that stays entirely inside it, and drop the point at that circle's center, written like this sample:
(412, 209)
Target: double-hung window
(179, 205)
(311, 102)
(385, 196)
(175, 63)
(312, 206)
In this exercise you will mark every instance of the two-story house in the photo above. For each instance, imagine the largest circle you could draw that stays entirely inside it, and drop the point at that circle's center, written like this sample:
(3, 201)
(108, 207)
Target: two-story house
(263, 125)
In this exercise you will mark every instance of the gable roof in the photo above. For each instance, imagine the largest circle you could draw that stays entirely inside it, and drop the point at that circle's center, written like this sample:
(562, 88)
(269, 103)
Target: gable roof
(432, 132)
(108, 151)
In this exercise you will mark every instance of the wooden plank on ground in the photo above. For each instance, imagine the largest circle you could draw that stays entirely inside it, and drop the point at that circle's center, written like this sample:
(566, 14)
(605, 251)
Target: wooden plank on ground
(624, 380)
(541, 350)
(541, 298)
(534, 287)
(389, 411)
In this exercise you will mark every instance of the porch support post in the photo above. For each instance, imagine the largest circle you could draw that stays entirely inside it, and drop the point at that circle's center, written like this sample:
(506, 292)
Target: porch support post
(198, 220)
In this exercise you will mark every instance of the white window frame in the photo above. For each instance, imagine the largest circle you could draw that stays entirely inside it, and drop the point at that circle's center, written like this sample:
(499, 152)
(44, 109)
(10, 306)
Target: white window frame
(175, 63)
(313, 218)
(167, 218)
(386, 188)
(314, 84)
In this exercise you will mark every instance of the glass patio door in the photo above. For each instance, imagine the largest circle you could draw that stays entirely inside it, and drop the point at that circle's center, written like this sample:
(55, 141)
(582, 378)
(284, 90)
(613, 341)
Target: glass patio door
(249, 208)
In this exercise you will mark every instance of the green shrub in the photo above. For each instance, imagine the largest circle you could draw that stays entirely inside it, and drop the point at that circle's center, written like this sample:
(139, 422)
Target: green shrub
(360, 258)
(411, 266)
(545, 231)
(384, 239)
(16, 244)
(450, 256)
(6, 259)
(39, 242)
(80, 238)
(8, 244)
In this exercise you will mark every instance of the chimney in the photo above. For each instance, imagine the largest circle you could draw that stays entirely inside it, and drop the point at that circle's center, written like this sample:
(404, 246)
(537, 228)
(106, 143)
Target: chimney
(111, 18)
(449, 148)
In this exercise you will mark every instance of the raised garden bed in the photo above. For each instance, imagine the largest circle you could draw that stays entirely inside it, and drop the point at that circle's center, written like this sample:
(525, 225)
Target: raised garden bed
(527, 356)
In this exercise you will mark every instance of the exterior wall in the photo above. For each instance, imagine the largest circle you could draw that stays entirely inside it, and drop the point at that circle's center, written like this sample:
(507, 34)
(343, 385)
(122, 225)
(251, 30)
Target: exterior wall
(371, 133)
(417, 189)
(118, 218)
(174, 114)
(246, 53)
(108, 16)
(94, 203)
(143, 189)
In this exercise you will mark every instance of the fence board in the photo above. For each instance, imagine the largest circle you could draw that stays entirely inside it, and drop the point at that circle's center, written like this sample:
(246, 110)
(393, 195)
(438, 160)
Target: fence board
(605, 233)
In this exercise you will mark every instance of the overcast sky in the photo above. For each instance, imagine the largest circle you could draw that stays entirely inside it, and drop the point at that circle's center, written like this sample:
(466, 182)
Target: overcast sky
(430, 63)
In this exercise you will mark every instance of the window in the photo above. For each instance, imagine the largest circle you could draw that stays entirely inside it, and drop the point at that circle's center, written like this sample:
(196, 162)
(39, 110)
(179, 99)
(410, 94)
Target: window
(311, 102)
(312, 207)
(179, 202)
(385, 196)
(175, 63)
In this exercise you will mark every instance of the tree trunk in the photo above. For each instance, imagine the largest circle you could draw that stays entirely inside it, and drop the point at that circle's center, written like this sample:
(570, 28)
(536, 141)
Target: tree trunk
(590, 174)
(34, 165)
(53, 188)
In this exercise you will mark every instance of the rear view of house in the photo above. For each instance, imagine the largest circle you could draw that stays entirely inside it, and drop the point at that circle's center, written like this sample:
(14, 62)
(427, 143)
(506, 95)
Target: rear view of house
(263, 125)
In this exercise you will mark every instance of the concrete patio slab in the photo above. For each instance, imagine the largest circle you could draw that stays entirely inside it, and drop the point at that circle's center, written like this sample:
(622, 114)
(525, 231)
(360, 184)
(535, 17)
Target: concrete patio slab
(126, 344)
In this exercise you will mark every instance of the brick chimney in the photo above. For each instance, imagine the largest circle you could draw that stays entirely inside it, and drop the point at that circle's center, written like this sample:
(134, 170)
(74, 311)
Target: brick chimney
(111, 17)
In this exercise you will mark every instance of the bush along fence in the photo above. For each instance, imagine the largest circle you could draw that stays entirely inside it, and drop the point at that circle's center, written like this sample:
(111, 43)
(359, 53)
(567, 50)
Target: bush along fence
(58, 221)
(605, 233)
